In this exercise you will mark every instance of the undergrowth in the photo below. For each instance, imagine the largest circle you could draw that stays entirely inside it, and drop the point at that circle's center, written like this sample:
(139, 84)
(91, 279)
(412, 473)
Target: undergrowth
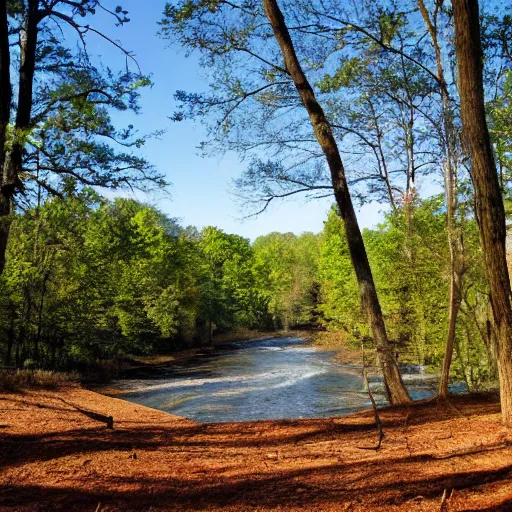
(16, 380)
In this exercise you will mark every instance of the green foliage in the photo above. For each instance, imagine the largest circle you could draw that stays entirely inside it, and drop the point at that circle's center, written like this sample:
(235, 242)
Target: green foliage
(69, 131)
(412, 276)
(96, 279)
(411, 268)
(349, 71)
(90, 279)
(390, 22)
(500, 114)
(339, 293)
(287, 270)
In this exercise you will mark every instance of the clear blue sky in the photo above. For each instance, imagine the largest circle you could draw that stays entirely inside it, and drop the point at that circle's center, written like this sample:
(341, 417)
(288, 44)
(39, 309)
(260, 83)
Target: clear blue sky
(200, 192)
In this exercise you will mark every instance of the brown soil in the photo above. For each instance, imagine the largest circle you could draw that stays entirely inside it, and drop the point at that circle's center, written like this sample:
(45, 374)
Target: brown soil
(53, 456)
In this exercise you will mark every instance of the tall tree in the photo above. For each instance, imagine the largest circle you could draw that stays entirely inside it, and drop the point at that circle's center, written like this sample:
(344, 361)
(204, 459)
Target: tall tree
(61, 124)
(5, 112)
(489, 208)
(454, 232)
(323, 132)
(286, 271)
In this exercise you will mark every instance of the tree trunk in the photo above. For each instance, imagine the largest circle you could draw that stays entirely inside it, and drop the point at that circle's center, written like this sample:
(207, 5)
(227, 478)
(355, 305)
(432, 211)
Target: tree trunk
(454, 308)
(13, 160)
(489, 209)
(5, 110)
(323, 132)
(453, 231)
(5, 80)
(379, 154)
(456, 252)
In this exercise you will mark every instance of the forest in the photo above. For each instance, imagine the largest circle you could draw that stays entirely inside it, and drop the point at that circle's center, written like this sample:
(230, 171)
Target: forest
(90, 279)
(399, 106)
(376, 102)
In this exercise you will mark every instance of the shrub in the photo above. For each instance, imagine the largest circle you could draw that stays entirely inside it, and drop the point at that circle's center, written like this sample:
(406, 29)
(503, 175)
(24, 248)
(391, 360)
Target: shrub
(16, 380)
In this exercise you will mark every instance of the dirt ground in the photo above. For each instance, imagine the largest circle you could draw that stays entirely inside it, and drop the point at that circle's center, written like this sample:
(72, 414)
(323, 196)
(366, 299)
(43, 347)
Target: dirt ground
(53, 456)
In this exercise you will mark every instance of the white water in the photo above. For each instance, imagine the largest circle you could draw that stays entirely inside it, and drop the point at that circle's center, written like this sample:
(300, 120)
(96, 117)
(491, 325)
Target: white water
(262, 379)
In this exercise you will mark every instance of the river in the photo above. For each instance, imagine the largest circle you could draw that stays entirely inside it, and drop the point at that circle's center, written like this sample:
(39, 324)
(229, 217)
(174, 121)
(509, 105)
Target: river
(263, 379)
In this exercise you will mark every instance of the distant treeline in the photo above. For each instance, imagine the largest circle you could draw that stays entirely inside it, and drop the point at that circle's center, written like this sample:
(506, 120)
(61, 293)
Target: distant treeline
(90, 279)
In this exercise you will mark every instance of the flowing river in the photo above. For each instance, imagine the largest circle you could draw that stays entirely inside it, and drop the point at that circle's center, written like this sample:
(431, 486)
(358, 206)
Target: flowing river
(263, 379)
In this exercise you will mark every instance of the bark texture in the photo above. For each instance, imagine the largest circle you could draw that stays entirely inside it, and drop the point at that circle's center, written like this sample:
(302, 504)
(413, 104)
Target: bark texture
(5, 110)
(368, 295)
(489, 209)
(10, 182)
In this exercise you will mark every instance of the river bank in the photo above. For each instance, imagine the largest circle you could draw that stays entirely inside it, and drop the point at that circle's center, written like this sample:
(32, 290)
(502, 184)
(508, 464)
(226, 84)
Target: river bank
(236, 336)
(56, 457)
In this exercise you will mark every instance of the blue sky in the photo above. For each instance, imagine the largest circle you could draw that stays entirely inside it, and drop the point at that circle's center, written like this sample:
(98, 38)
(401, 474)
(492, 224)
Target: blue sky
(201, 192)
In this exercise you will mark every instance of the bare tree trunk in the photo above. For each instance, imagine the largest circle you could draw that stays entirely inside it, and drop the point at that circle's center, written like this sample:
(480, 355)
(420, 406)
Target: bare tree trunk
(381, 159)
(454, 308)
(323, 132)
(13, 160)
(453, 231)
(456, 256)
(489, 209)
(410, 190)
(454, 242)
(5, 110)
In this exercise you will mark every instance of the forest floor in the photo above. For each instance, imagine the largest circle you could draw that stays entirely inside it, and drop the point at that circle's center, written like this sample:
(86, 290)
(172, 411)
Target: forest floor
(54, 456)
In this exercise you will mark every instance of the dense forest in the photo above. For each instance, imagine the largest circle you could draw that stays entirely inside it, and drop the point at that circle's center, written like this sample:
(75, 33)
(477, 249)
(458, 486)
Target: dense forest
(87, 279)
(363, 102)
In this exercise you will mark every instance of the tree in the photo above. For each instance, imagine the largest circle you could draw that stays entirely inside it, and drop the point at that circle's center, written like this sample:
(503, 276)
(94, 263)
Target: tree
(451, 162)
(286, 268)
(489, 208)
(249, 74)
(61, 121)
(229, 295)
(339, 302)
(323, 132)
(5, 112)
(413, 290)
